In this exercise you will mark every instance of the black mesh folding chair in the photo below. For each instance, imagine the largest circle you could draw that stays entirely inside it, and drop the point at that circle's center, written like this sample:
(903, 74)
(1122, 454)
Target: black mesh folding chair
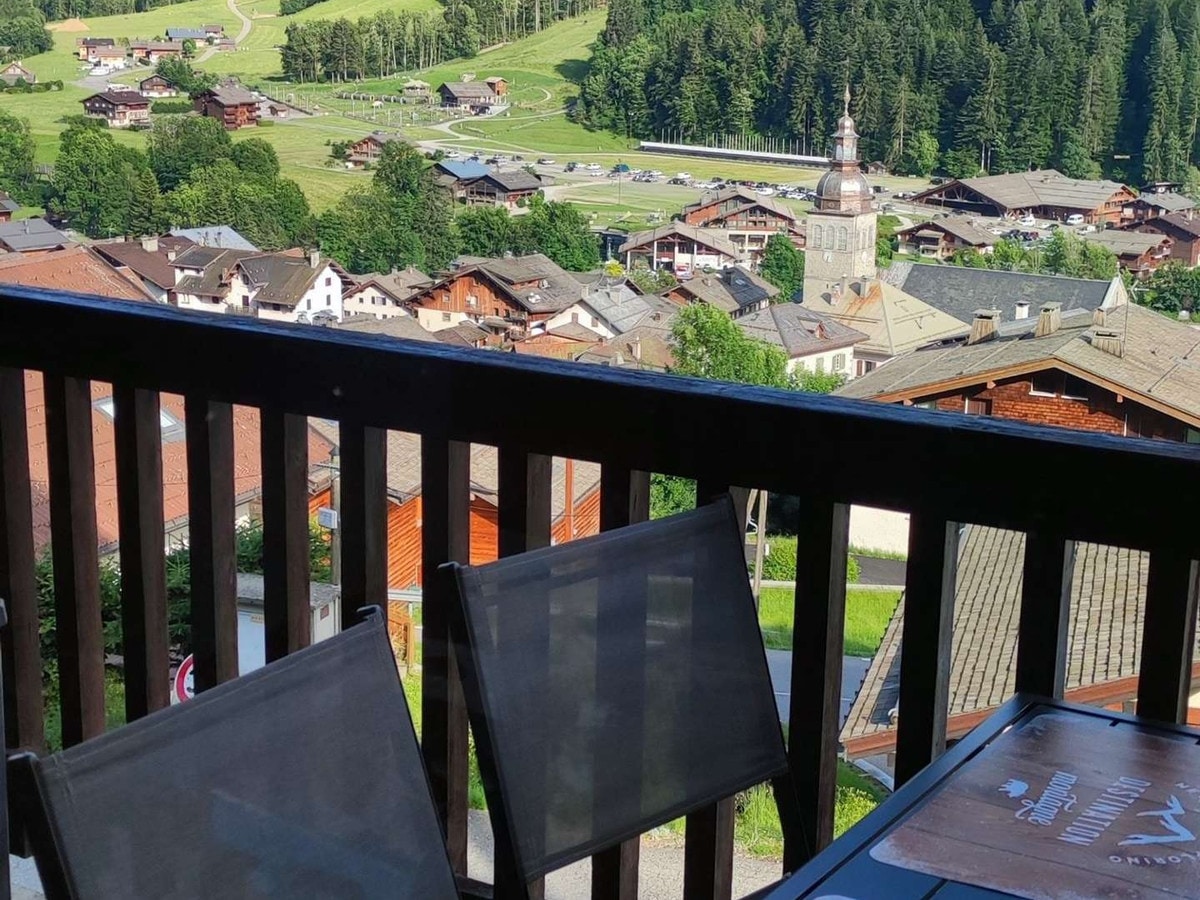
(302, 779)
(616, 683)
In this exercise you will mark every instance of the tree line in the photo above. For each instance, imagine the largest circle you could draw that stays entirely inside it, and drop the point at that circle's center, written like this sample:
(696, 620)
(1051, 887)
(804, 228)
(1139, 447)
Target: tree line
(22, 30)
(193, 174)
(1099, 87)
(380, 45)
(405, 217)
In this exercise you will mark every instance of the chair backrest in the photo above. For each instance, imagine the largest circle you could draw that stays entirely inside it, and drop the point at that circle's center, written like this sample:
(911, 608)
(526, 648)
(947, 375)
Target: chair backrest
(615, 683)
(302, 779)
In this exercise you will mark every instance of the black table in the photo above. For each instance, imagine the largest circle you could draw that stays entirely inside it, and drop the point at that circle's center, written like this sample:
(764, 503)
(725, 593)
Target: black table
(1046, 801)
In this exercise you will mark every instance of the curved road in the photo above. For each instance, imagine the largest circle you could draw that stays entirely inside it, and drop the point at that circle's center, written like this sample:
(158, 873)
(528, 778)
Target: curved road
(241, 35)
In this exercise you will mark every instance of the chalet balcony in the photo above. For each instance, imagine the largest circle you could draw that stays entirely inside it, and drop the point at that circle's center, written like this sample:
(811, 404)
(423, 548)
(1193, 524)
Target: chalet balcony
(1056, 486)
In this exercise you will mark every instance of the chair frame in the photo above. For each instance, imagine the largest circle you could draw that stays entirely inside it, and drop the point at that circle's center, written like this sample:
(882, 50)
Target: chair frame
(512, 877)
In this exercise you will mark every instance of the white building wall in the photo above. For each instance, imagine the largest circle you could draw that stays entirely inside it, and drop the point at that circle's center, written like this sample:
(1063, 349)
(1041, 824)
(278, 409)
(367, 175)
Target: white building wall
(826, 361)
(371, 301)
(437, 319)
(581, 314)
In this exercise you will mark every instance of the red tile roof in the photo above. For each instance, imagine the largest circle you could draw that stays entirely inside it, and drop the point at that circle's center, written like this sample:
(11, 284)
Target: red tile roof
(72, 269)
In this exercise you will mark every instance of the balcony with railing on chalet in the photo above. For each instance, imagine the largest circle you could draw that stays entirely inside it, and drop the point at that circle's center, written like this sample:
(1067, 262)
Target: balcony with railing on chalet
(1056, 486)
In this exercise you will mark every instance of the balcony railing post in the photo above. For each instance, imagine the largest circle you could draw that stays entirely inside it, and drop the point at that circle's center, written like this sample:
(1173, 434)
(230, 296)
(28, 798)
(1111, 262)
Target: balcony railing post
(287, 606)
(138, 432)
(624, 500)
(1168, 636)
(1045, 614)
(76, 557)
(708, 851)
(818, 637)
(925, 652)
(363, 514)
(445, 537)
(524, 524)
(212, 541)
(21, 641)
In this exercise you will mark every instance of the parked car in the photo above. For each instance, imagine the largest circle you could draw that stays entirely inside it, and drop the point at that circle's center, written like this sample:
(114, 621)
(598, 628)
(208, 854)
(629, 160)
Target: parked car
(595, 167)
(545, 161)
(679, 181)
(1075, 219)
(571, 167)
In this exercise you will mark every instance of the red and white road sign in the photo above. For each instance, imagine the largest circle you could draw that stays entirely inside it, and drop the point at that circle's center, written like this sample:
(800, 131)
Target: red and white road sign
(184, 686)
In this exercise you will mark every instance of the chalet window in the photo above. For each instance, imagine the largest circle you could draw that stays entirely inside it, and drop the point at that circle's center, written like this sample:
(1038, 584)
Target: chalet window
(1075, 388)
(472, 300)
(328, 281)
(1192, 436)
(329, 299)
(445, 317)
(863, 366)
(839, 362)
(842, 237)
(574, 318)
(816, 237)
(1047, 384)
(926, 404)
(819, 365)
(978, 407)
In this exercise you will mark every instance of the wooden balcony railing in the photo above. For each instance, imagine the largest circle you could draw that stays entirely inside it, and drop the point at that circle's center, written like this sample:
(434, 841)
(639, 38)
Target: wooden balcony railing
(1056, 485)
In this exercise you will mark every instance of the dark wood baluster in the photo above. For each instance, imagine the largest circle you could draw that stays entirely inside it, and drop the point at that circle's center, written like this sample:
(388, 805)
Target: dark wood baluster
(524, 524)
(624, 500)
(925, 653)
(445, 537)
(1168, 637)
(363, 515)
(212, 543)
(708, 851)
(138, 433)
(818, 638)
(287, 606)
(22, 647)
(76, 557)
(1045, 613)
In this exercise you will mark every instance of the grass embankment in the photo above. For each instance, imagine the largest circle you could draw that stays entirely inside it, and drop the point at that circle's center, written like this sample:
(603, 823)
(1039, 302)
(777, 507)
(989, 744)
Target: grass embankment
(867, 617)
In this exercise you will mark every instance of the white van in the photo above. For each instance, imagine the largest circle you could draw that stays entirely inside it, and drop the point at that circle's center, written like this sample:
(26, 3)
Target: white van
(1075, 219)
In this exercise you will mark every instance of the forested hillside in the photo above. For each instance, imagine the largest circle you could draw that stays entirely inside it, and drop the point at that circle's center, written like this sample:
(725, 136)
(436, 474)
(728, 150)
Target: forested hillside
(376, 46)
(1085, 86)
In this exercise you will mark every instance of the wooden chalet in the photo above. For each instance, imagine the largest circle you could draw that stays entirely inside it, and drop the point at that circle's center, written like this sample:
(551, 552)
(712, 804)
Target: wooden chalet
(514, 296)
(1156, 201)
(1045, 193)
(416, 91)
(1184, 231)
(1126, 371)
(747, 219)
(235, 107)
(507, 189)
(366, 151)
(156, 86)
(681, 248)
(8, 206)
(121, 109)
(941, 238)
(86, 48)
(14, 72)
(1138, 253)
(153, 51)
(473, 96)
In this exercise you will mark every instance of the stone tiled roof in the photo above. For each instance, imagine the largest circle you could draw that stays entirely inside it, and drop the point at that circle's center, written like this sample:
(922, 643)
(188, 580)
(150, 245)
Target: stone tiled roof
(75, 268)
(731, 289)
(893, 320)
(1159, 363)
(1026, 190)
(741, 193)
(405, 327)
(153, 266)
(959, 291)
(706, 237)
(798, 331)
(1108, 600)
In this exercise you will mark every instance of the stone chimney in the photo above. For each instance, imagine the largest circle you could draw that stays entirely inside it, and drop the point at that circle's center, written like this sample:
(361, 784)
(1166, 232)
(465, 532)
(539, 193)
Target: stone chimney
(1098, 316)
(984, 327)
(1049, 319)
(1108, 340)
(1022, 310)
(845, 285)
(150, 244)
(171, 254)
(636, 349)
(314, 258)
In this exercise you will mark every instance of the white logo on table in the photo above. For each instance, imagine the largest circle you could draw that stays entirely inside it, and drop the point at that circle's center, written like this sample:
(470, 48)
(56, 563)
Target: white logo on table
(1056, 798)
(1177, 832)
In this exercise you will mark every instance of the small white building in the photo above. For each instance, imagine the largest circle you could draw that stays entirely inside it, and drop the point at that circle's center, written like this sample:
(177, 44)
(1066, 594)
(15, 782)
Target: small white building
(384, 296)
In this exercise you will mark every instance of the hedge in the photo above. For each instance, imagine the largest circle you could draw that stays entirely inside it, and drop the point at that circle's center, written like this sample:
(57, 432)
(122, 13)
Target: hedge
(780, 563)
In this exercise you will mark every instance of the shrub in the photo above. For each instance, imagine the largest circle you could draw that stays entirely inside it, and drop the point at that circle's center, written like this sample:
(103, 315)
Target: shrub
(780, 563)
(170, 107)
(852, 804)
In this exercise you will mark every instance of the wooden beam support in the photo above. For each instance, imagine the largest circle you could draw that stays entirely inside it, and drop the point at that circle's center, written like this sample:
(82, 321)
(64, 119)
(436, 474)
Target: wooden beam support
(212, 541)
(363, 519)
(1168, 636)
(928, 631)
(138, 432)
(287, 606)
(1045, 614)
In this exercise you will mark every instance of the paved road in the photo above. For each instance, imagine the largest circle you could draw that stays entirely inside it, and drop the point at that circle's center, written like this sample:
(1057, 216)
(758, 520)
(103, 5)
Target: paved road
(854, 668)
(241, 35)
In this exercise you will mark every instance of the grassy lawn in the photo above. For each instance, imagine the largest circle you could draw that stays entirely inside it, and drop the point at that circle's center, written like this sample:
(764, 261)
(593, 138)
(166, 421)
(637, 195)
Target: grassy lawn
(867, 617)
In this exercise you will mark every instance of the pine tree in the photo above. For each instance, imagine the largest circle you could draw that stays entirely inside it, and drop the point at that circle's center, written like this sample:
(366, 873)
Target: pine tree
(1163, 156)
(146, 213)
